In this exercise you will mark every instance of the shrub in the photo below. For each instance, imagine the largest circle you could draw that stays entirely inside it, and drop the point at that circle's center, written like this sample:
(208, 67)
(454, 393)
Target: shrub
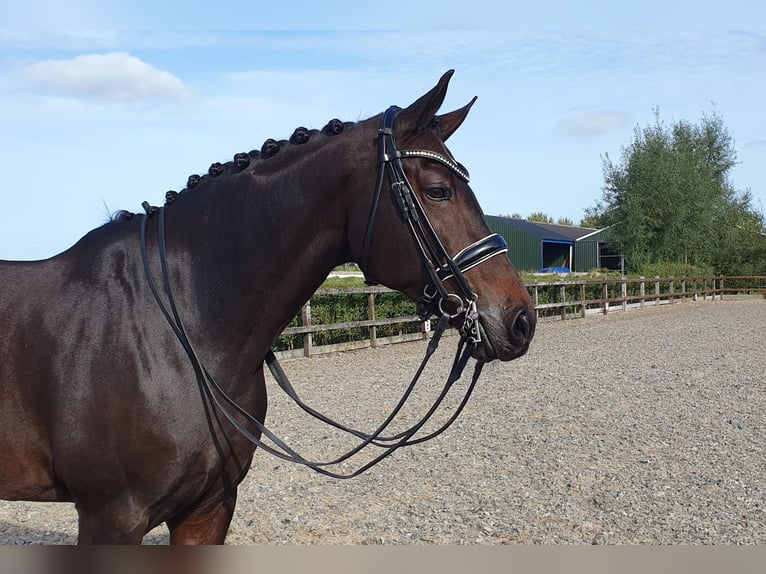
(674, 270)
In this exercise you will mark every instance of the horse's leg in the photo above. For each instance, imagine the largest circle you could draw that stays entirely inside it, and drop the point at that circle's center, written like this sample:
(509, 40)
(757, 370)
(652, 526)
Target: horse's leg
(207, 524)
(108, 526)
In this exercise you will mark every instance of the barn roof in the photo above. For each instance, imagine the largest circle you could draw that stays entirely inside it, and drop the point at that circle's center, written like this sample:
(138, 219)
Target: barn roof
(546, 231)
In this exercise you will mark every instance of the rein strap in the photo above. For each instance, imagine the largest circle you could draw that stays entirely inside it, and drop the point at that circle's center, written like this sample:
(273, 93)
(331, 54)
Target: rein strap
(235, 414)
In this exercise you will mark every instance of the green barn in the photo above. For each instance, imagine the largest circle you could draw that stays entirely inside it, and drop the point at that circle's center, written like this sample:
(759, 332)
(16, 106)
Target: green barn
(534, 246)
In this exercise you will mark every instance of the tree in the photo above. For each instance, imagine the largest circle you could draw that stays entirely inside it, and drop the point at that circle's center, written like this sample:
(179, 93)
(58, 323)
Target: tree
(564, 221)
(740, 234)
(591, 220)
(540, 217)
(670, 199)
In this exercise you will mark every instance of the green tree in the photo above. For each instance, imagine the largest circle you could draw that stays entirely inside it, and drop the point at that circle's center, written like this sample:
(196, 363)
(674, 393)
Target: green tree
(740, 236)
(564, 221)
(591, 220)
(670, 199)
(540, 217)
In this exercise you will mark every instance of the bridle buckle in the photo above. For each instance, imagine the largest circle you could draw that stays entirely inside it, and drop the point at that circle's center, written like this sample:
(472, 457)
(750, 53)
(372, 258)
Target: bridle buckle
(470, 328)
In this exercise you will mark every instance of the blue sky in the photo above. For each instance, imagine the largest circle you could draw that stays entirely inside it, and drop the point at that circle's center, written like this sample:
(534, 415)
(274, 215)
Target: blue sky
(103, 107)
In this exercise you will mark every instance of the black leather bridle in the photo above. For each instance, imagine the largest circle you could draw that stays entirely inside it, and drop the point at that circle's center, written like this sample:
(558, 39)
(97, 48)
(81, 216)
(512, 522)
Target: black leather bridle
(441, 268)
(438, 263)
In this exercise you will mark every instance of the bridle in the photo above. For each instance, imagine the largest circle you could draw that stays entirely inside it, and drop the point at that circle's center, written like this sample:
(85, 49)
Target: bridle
(441, 267)
(437, 261)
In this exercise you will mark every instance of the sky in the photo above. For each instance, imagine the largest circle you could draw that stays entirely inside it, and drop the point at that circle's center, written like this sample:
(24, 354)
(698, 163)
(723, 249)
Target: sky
(104, 105)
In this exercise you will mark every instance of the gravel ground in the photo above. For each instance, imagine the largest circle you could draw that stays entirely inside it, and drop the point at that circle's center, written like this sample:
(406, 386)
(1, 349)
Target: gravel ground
(644, 427)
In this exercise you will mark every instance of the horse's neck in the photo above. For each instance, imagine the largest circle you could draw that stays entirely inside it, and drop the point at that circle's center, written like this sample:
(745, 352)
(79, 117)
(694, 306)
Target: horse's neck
(255, 258)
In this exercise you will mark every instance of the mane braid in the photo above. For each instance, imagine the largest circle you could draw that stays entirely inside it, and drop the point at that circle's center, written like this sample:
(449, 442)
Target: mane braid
(241, 161)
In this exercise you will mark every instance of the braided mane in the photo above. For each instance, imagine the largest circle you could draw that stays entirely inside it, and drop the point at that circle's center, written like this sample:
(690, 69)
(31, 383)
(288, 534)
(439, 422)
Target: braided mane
(241, 161)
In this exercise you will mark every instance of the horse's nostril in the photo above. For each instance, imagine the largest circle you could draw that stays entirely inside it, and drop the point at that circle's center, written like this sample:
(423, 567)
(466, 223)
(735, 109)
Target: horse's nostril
(522, 329)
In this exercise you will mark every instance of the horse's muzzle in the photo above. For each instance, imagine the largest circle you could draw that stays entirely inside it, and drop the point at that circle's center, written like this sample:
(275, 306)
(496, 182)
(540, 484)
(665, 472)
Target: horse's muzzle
(521, 331)
(505, 341)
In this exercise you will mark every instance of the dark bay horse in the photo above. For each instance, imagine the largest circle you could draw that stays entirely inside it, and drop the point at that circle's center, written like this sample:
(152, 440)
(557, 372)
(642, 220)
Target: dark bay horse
(99, 404)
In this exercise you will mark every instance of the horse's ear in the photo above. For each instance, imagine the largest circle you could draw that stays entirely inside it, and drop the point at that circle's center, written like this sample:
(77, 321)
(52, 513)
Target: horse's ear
(448, 123)
(420, 114)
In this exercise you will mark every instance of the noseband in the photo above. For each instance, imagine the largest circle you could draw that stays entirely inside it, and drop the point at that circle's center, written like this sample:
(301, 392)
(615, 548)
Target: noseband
(439, 264)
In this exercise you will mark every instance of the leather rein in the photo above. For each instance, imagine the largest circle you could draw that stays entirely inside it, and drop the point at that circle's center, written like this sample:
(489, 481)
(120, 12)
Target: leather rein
(441, 267)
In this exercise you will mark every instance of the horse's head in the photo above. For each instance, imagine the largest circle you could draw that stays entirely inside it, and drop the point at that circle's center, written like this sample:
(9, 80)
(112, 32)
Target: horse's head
(426, 236)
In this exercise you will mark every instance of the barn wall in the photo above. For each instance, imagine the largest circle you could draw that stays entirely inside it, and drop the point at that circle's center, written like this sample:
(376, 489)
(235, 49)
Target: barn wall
(585, 255)
(524, 250)
(586, 251)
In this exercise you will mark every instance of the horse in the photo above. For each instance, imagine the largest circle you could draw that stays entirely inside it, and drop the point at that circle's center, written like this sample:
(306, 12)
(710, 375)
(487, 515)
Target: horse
(100, 401)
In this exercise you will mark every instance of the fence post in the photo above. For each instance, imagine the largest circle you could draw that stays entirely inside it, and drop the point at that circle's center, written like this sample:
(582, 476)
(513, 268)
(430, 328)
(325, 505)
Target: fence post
(371, 317)
(582, 298)
(563, 290)
(425, 328)
(704, 289)
(683, 289)
(605, 297)
(656, 290)
(720, 288)
(670, 290)
(536, 296)
(641, 291)
(308, 338)
(624, 292)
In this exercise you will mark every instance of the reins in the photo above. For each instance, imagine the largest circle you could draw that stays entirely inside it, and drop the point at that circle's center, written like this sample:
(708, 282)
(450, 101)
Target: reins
(234, 412)
(441, 267)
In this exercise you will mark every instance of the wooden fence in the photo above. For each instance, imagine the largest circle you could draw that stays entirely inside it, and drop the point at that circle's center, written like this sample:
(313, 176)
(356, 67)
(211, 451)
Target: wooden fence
(622, 292)
(560, 299)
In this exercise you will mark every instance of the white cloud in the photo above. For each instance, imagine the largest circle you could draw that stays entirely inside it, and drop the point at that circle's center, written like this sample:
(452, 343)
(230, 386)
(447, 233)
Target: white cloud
(116, 76)
(593, 123)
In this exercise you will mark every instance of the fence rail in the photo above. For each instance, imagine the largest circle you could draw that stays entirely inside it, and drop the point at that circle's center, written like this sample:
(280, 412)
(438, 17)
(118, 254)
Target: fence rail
(640, 290)
(560, 299)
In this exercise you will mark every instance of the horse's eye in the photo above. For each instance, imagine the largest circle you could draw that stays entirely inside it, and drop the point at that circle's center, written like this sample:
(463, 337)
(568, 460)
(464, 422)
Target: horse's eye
(439, 193)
